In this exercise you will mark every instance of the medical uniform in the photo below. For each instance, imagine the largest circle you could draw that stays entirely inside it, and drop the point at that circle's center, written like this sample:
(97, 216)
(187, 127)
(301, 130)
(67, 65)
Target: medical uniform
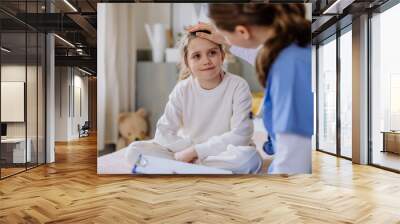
(288, 108)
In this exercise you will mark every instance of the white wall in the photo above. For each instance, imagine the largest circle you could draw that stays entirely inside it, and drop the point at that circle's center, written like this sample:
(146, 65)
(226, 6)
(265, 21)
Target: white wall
(183, 14)
(308, 11)
(80, 118)
(61, 103)
(68, 80)
(149, 13)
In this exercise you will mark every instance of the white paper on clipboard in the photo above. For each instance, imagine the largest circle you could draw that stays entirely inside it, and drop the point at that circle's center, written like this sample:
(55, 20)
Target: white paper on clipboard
(155, 165)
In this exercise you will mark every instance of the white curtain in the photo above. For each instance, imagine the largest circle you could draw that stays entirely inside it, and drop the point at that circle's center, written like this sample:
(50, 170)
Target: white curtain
(116, 62)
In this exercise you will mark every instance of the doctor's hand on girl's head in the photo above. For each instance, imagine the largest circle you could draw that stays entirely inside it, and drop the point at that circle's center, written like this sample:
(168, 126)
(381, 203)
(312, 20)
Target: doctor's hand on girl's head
(213, 36)
(188, 155)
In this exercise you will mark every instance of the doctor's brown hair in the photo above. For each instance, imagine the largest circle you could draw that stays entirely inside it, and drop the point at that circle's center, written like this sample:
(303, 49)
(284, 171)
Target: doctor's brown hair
(287, 21)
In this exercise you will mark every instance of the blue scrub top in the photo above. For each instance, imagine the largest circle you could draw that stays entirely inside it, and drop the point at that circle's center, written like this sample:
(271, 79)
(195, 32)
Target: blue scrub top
(288, 103)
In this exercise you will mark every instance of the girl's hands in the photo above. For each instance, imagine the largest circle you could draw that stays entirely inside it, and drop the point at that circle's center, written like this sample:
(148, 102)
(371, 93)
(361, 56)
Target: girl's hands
(187, 155)
(215, 36)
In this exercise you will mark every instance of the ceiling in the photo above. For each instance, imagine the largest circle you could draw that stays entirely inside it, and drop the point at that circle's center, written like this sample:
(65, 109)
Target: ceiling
(74, 21)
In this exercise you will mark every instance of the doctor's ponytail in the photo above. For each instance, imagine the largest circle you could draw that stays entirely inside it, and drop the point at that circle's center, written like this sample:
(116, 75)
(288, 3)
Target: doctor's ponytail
(287, 21)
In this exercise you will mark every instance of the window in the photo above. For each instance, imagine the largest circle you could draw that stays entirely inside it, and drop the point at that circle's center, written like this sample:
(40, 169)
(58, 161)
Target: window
(385, 89)
(22, 77)
(327, 96)
(346, 93)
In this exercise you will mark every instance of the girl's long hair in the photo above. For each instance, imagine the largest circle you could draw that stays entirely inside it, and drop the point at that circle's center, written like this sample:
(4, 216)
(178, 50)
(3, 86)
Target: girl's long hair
(287, 21)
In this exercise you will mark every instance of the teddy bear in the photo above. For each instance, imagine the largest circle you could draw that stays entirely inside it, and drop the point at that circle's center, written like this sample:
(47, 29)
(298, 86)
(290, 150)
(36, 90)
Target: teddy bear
(132, 126)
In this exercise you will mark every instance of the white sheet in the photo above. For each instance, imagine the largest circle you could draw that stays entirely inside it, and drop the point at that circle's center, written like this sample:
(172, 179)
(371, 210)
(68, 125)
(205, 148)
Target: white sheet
(113, 163)
(155, 165)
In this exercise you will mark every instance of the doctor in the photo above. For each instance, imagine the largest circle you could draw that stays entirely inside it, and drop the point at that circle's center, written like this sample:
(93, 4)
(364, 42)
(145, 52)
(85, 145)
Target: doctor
(276, 39)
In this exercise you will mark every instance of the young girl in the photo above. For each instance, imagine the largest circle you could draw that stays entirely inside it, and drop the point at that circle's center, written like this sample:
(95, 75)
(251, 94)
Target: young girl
(206, 119)
(283, 64)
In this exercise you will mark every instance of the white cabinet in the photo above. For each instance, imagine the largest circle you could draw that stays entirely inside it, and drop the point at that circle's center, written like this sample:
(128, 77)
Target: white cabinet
(17, 146)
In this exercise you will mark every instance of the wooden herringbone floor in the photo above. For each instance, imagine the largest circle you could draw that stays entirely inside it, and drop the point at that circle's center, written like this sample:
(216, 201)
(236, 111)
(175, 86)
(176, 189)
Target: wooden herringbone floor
(70, 191)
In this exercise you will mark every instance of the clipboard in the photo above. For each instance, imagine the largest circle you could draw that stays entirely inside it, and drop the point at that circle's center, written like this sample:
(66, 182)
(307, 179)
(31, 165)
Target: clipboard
(154, 165)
